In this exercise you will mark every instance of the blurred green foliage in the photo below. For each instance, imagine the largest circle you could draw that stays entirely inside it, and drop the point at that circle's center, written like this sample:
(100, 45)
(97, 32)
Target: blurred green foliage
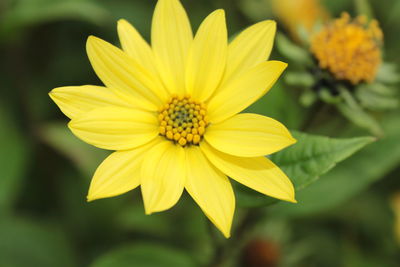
(144, 255)
(343, 217)
(14, 160)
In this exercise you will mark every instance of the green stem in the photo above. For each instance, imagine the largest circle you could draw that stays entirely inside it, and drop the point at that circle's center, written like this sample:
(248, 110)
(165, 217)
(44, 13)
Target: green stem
(364, 8)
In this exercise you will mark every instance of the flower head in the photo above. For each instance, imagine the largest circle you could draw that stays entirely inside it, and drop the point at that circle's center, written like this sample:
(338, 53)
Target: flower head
(170, 112)
(349, 49)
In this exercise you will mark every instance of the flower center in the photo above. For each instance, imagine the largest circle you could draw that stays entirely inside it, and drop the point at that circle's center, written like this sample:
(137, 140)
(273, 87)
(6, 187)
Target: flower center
(183, 120)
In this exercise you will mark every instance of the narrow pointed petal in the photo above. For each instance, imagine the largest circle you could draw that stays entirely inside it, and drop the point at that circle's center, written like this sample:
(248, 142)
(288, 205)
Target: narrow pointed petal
(249, 135)
(210, 189)
(163, 175)
(244, 90)
(115, 128)
(76, 100)
(119, 173)
(171, 37)
(207, 57)
(259, 173)
(135, 46)
(250, 48)
(124, 75)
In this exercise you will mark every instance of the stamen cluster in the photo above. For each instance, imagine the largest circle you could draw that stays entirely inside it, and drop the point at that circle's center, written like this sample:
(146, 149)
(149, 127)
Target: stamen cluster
(183, 120)
(349, 48)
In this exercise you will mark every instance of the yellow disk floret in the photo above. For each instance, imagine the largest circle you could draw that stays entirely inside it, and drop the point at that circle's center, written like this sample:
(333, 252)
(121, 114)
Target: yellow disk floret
(349, 49)
(183, 120)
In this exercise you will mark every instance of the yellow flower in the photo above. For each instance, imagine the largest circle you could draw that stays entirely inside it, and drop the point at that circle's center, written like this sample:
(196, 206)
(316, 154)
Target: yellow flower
(170, 113)
(299, 13)
(349, 49)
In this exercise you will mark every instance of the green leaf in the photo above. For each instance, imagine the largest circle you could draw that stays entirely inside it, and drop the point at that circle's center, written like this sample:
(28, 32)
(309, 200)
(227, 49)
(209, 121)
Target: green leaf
(356, 114)
(292, 51)
(380, 88)
(387, 73)
(144, 255)
(377, 97)
(326, 96)
(308, 98)
(303, 79)
(314, 155)
(351, 176)
(86, 157)
(26, 243)
(14, 158)
(305, 162)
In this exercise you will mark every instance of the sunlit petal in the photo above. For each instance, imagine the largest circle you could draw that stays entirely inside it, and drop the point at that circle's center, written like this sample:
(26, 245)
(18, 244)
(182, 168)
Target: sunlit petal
(210, 189)
(259, 173)
(244, 90)
(115, 128)
(171, 37)
(163, 173)
(119, 173)
(124, 75)
(251, 47)
(249, 135)
(75, 100)
(135, 46)
(207, 57)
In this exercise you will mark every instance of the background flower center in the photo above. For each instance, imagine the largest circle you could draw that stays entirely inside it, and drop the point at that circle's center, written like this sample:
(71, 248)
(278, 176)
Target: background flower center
(349, 49)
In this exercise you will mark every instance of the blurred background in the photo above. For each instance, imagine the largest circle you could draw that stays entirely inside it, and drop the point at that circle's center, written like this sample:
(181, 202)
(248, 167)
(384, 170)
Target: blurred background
(350, 217)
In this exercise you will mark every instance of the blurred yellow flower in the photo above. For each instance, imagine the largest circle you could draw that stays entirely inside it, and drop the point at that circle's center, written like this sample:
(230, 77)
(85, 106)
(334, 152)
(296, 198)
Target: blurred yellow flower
(395, 203)
(299, 13)
(170, 112)
(349, 49)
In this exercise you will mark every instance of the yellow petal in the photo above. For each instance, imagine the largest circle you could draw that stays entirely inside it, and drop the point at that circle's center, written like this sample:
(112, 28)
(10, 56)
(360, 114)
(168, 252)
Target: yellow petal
(75, 100)
(207, 57)
(124, 75)
(244, 90)
(119, 173)
(115, 128)
(135, 46)
(249, 135)
(210, 189)
(258, 173)
(249, 48)
(163, 175)
(171, 37)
